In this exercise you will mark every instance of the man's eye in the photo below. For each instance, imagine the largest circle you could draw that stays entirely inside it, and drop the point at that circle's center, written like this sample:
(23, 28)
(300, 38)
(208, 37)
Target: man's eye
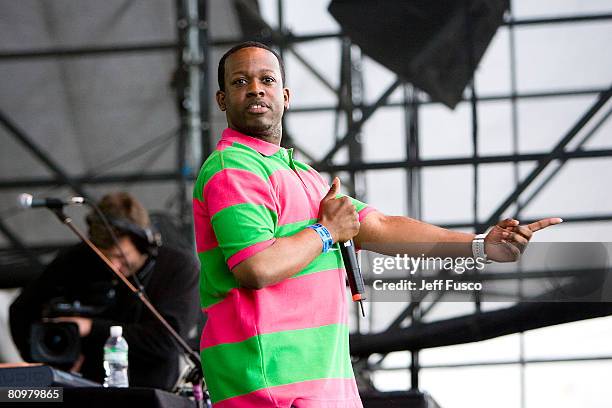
(269, 79)
(240, 81)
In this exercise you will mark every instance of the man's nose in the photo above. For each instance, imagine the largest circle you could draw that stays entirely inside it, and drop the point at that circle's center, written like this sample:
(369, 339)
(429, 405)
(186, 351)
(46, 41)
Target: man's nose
(116, 261)
(255, 89)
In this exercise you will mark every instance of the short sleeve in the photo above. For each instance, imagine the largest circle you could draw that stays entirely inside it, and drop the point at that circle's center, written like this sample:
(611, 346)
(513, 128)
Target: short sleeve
(362, 208)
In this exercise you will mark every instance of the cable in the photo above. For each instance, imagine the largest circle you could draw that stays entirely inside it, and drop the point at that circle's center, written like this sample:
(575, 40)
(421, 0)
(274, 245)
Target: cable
(155, 155)
(140, 150)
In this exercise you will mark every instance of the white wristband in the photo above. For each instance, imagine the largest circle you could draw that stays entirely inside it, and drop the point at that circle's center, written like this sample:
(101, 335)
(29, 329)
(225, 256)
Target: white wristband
(478, 247)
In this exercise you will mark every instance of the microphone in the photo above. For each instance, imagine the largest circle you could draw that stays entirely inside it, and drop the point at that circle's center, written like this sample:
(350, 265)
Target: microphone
(27, 201)
(353, 272)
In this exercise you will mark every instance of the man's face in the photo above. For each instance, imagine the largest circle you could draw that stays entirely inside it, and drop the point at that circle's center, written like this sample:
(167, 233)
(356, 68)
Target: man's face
(133, 260)
(254, 99)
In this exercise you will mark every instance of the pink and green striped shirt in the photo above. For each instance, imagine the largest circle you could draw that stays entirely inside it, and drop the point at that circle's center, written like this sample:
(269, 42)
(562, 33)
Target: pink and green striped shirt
(287, 344)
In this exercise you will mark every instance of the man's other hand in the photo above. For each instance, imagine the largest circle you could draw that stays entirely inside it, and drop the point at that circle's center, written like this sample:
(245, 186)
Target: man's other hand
(508, 239)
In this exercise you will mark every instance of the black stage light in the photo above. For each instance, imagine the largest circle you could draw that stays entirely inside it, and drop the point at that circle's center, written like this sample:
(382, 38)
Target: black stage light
(434, 44)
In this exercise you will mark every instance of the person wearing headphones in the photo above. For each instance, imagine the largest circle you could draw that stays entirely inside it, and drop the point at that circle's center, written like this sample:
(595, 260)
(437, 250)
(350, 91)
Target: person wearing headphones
(77, 277)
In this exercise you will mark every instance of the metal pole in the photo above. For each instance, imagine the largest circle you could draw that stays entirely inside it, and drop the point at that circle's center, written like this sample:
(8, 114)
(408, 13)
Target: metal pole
(486, 98)
(474, 115)
(206, 148)
(351, 97)
(516, 176)
(181, 80)
(414, 354)
(192, 91)
(411, 131)
(525, 157)
(193, 58)
(169, 176)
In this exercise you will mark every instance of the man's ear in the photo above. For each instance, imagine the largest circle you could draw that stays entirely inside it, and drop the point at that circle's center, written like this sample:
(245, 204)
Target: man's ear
(220, 96)
(286, 97)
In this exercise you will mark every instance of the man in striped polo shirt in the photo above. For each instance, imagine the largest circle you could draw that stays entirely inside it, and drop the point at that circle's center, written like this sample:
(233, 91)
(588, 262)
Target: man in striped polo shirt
(271, 284)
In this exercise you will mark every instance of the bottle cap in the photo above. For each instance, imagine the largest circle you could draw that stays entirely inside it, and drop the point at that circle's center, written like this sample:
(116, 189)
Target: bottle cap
(116, 331)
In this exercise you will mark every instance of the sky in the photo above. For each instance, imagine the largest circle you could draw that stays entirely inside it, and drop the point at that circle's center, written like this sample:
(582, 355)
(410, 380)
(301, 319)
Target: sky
(549, 57)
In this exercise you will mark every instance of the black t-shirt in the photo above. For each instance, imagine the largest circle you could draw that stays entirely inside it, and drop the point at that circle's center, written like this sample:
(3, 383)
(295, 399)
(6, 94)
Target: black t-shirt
(171, 284)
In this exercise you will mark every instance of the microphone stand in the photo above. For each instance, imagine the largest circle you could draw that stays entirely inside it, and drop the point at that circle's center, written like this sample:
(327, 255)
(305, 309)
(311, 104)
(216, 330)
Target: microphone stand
(195, 374)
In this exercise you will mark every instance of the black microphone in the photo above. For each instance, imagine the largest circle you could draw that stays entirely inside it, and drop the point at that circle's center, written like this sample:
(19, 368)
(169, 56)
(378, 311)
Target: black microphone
(353, 272)
(27, 201)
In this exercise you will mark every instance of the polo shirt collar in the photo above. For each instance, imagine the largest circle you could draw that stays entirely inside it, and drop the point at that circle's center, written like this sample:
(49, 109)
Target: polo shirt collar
(263, 147)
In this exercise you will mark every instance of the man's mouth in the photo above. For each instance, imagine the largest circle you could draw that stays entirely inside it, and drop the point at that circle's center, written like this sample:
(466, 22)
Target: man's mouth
(258, 107)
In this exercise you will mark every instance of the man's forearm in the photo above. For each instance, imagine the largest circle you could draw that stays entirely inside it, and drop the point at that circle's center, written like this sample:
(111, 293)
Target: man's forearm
(391, 235)
(281, 260)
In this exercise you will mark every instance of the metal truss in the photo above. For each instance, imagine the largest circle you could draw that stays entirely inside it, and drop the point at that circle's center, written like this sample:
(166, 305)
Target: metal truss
(62, 177)
(193, 51)
(413, 164)
(349, 104)
(193, 27)
(192, 104)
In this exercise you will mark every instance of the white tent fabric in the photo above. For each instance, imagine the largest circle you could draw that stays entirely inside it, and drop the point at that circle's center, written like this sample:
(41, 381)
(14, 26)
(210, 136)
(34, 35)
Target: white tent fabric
(84, 112)
(88, 112)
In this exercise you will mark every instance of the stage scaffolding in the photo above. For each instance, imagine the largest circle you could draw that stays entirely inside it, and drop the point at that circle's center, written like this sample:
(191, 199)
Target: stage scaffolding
(193, 51)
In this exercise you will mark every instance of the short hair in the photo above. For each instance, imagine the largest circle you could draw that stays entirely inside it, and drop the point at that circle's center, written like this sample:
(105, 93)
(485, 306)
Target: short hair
(246, 44)
(116, 206)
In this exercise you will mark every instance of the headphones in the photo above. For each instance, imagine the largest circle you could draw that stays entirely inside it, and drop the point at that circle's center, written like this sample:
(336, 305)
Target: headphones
(145, 239)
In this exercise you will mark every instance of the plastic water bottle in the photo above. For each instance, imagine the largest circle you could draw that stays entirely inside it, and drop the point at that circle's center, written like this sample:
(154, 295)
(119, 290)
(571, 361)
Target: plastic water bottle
(116, 359)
